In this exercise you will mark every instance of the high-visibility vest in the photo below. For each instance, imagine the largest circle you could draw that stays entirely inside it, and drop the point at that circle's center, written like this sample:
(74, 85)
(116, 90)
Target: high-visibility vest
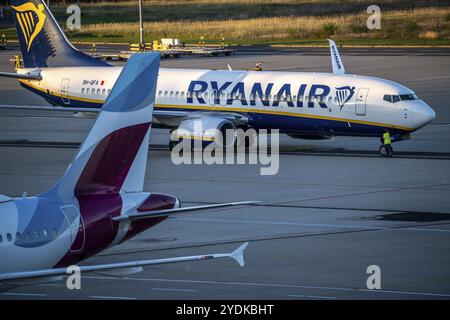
(387, 138)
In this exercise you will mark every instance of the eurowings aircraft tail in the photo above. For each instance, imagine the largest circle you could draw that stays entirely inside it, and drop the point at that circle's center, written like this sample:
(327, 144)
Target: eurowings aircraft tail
(42, 42)
(113, 157)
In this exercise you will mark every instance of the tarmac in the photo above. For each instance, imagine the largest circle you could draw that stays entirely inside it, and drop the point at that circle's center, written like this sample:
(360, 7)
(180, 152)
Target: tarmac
(334, 208)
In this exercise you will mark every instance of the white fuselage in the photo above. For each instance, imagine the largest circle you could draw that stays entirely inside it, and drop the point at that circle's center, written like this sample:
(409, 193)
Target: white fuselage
(267, 97)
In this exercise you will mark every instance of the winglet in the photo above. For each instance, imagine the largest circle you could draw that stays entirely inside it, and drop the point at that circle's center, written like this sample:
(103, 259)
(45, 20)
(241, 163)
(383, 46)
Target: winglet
(336, 61)
(229, 67)
(238, 254)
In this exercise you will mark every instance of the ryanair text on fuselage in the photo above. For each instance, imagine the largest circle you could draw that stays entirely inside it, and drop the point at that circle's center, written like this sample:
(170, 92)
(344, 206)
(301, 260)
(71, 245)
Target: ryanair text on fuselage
(316, 93)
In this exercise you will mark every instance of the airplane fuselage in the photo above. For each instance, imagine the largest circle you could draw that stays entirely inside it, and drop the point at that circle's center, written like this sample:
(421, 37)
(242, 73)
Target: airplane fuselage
(293, 102)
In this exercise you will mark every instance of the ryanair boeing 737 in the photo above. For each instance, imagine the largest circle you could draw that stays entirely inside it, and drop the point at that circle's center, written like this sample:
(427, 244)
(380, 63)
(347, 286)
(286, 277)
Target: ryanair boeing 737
(301, 104)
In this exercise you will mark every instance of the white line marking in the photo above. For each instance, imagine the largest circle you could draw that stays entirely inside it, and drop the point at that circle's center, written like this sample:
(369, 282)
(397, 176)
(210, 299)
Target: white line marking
(170, 289)
(275, 285)
(319, 225)
(312, 297)
(114, 298)
(24, 294)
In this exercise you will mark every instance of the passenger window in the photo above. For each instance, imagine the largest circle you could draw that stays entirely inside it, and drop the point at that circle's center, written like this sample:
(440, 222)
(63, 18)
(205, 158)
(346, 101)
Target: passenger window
(166, 93)
(1, 238)
(88, 90)
(17, 236)
(9, 237)
(182, 94)
(171, 93)
(160, 93)
(45, 233)
(109, 90)
(36, 234)
(55, 232)
(82, 90)
(103, 91)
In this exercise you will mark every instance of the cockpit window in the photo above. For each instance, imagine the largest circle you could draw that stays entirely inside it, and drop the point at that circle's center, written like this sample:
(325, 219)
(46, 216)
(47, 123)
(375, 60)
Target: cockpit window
(387, 97)
(408, 97)
(402, 97)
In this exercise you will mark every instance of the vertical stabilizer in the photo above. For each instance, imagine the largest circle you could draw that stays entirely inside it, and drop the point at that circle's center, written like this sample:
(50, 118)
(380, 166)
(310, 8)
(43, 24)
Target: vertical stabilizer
(114, 155)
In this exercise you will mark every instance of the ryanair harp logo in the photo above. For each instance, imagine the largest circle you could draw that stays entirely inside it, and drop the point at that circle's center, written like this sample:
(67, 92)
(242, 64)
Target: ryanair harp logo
(344, 94)
(31, 20)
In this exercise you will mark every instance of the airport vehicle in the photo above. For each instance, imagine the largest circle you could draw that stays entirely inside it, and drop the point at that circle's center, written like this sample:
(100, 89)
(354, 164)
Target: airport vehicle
(304, 105)
(99, 201)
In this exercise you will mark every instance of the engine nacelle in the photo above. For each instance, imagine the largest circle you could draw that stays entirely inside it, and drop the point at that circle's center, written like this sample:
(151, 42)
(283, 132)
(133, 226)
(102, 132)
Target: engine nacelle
(208, 129)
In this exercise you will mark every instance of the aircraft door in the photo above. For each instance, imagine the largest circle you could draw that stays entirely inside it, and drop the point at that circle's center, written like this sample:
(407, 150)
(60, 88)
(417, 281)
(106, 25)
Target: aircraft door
(65, 90)
(360, 103)
(77, 231)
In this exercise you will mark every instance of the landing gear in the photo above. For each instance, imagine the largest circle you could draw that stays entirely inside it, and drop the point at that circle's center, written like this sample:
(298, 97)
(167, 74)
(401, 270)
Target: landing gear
(386, 150)
(172, 145)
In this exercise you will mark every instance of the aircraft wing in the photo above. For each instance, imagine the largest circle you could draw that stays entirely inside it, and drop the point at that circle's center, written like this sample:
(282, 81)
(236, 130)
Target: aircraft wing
(27, 76)
(139, 215)
(159, 113)
(117, 269)
(171, 117)
(48, 108)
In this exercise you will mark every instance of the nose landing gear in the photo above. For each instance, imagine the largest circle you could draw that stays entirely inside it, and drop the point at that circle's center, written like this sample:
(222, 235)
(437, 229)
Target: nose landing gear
(386, 150)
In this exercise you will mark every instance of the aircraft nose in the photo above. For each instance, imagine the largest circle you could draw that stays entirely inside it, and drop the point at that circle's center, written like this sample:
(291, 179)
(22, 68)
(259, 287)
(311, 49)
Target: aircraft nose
(422, 114)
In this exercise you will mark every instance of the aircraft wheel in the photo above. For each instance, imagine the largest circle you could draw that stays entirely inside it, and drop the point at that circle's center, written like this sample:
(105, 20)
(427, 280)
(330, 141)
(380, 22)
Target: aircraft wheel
(383, 150)
(172, 144)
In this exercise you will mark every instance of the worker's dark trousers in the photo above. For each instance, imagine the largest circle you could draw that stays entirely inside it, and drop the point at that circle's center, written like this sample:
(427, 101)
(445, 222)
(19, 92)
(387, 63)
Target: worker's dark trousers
(389, 149)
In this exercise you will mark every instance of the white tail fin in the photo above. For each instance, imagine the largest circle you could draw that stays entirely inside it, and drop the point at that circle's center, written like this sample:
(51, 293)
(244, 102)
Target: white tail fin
(336, 61)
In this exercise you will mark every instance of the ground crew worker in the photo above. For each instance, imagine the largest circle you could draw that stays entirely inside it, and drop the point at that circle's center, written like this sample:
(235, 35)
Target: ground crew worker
(17, 62)
(258, 66)
(3, 41)
(387, 143)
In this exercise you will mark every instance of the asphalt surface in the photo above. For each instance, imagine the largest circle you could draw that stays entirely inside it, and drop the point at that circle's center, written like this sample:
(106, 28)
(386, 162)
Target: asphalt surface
(333, 209)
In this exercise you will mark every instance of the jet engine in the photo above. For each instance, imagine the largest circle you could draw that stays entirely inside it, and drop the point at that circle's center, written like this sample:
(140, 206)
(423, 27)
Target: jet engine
(207, 129)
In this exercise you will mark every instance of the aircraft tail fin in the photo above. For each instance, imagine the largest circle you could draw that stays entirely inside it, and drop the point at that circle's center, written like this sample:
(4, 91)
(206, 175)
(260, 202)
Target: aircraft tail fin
(42, 42)
(113, 156)
(336, 61)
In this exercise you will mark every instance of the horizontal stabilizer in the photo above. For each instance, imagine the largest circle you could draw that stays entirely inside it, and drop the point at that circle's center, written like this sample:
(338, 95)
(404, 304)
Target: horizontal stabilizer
(26, 76)
(170, 212)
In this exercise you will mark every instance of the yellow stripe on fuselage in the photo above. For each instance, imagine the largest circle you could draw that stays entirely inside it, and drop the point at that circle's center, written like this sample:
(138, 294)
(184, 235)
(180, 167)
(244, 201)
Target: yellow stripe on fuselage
(234, 109)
